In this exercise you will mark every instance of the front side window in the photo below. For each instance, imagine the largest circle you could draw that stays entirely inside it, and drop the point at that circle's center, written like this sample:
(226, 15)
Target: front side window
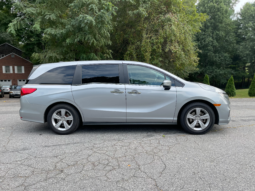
(60, 75)
(102, 73)
(144, 76)
(171, 79)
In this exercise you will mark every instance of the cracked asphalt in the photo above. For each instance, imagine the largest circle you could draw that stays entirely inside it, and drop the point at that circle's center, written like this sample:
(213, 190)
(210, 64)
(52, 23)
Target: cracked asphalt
(120, 158)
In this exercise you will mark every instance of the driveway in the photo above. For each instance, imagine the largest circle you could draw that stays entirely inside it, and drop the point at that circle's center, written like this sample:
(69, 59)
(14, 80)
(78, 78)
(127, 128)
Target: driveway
(120, 158)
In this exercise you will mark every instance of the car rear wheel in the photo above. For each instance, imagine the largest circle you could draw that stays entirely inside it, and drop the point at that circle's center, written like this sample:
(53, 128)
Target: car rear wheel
(63, 119)
(197, 118)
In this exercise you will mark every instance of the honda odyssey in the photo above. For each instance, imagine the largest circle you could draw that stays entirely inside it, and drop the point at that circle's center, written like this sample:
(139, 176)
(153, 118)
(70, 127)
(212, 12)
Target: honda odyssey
(69, 94)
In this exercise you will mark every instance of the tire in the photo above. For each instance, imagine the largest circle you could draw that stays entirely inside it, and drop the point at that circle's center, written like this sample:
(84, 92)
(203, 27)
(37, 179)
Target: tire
(60, 124)
(194, 123)
(10, 96)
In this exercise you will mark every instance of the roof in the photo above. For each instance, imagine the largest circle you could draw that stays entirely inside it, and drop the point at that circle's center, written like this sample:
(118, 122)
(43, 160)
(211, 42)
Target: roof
(46, 67)
(11, 46)
(16, 55)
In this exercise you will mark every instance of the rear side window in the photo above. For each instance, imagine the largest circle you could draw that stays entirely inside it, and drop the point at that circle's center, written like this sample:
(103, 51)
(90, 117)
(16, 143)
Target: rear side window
(34, 68)
(108, 73)
(60, 75)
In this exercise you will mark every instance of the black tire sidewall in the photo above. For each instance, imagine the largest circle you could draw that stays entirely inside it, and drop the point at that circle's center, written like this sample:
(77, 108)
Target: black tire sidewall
(184, 113)
(76, 118)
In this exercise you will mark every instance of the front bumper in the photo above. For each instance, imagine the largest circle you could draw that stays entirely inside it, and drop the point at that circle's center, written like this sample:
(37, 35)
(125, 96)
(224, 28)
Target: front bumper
(15, 95)
(224, 114)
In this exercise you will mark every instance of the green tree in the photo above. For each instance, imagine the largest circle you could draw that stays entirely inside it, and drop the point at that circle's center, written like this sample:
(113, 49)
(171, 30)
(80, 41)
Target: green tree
(206, 80)
(251, 91)
(72, 29)
(246, 22)
(216, 41)
(230, 87)
(160, 32)
(6, 16)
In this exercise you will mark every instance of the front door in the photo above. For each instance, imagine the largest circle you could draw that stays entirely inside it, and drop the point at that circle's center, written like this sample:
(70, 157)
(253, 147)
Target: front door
(147, 100)
(101, 97)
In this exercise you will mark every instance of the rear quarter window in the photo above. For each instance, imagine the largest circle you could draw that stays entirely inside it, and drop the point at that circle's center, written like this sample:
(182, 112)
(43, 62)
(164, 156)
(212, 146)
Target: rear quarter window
(60, 75)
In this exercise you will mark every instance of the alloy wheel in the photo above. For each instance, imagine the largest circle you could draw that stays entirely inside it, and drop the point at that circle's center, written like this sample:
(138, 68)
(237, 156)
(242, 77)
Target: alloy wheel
(62, 119)
(198, 119)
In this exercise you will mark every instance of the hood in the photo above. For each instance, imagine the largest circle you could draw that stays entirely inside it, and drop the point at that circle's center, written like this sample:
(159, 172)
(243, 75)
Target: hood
(211, 88)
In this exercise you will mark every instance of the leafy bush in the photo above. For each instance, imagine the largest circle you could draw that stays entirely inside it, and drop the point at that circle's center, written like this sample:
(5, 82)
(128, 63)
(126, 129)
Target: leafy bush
(206, 80)
(230, 87)
(251, 91)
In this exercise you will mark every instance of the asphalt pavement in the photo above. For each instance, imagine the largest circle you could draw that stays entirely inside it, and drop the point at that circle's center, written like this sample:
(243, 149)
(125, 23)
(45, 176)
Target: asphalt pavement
(120, 158)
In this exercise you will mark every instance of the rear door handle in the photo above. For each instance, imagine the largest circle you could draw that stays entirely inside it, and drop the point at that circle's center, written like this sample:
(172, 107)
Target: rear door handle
(117, 91)
(134, 92)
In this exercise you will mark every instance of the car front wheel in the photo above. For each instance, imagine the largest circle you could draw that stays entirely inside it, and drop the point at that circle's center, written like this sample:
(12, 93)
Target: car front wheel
(63, 119)
(197, 118)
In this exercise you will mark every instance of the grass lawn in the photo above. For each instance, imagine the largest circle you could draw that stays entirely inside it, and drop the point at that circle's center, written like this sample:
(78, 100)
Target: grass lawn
(243, 93)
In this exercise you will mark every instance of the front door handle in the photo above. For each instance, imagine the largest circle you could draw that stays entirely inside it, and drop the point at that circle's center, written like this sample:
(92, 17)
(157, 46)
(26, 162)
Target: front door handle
(134, 92)
(117, 91)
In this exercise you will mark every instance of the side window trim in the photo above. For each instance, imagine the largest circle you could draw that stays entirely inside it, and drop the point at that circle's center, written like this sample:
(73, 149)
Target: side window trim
(125, 71)
(77, 76)
(121, 74)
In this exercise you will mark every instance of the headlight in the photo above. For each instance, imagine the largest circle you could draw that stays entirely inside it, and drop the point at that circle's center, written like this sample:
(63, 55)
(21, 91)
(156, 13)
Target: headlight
(224, 96)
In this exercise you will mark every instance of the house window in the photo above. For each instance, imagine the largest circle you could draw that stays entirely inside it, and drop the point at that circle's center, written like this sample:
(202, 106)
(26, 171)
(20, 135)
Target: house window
(7, 69)
(19, 69)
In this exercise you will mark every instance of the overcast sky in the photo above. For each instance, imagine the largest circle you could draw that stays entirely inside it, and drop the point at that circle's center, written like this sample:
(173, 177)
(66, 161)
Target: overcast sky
(241, 4)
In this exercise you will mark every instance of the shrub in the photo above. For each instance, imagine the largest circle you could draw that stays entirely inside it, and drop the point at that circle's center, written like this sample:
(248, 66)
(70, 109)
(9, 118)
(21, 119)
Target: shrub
(251, 91)
(230, 87)
(206, 80)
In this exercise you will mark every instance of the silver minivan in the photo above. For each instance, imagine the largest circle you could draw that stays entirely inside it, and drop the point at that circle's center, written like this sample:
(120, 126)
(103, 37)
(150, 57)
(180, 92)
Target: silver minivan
(69, 94)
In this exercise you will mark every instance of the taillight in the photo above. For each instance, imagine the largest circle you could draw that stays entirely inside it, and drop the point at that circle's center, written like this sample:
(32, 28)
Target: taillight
(25, 91)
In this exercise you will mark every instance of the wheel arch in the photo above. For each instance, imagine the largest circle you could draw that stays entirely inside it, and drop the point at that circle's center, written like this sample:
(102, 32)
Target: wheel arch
(61, 102)
(202, 101)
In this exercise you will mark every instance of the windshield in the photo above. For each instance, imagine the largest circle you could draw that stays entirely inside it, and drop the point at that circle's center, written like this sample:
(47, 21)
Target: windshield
(18, 87)
(6, 86)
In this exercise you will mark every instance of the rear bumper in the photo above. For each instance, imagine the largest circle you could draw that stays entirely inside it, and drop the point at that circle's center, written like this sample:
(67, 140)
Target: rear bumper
(31, 112)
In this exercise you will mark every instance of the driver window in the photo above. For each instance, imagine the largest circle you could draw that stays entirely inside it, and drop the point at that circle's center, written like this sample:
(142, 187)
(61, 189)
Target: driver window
(144, 76)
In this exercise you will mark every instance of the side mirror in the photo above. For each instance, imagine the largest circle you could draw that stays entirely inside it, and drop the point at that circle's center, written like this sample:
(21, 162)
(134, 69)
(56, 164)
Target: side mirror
(167, 84)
